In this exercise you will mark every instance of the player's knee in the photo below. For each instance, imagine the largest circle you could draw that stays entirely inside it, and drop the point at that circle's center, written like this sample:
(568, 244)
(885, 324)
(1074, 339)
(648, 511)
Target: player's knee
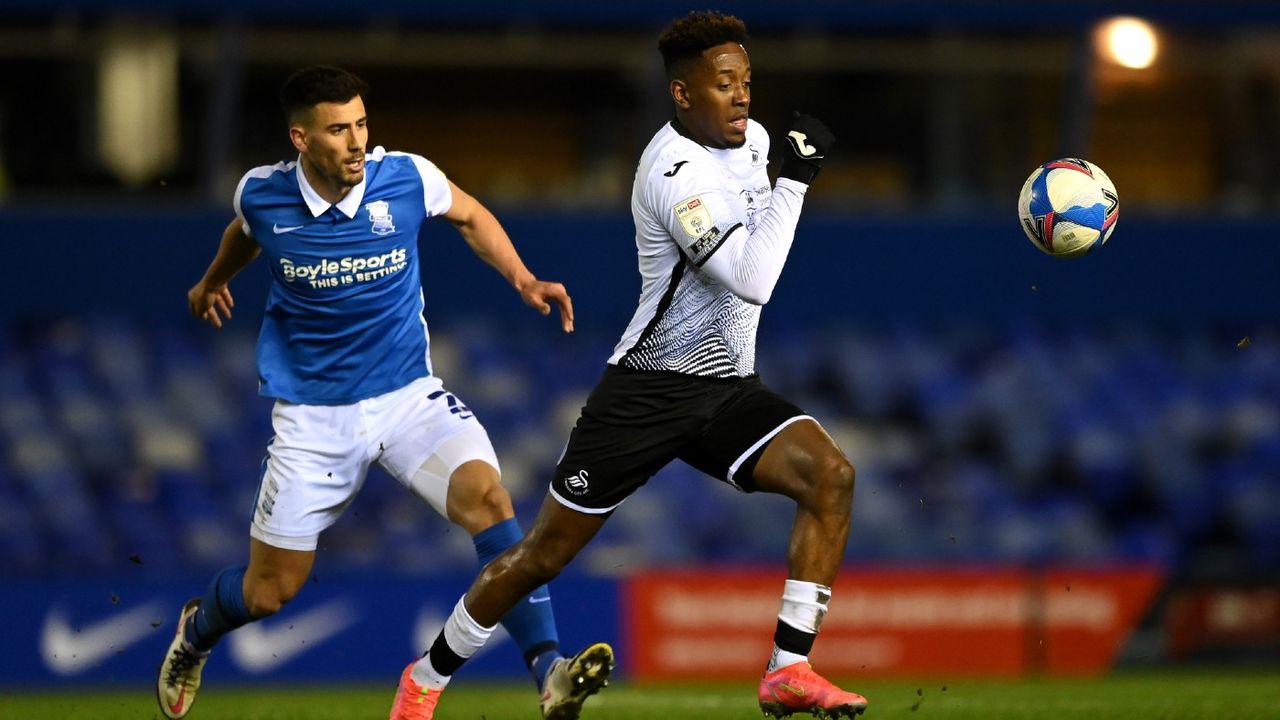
(544, 560)
(481, 508)
(496, 502)
(833, 483)
(266, 597)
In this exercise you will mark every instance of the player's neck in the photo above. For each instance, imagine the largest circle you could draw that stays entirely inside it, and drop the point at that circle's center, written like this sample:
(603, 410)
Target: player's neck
(331, 193)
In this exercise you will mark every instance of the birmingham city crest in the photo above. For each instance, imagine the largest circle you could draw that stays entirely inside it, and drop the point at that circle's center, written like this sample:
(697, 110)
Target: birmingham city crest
(380, 216)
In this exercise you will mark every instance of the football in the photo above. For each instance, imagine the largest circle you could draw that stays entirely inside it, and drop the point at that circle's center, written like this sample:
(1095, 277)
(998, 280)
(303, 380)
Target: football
(1068, 207)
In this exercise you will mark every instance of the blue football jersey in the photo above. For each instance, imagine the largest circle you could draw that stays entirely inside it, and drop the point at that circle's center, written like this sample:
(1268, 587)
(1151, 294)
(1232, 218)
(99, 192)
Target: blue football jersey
(344, 312)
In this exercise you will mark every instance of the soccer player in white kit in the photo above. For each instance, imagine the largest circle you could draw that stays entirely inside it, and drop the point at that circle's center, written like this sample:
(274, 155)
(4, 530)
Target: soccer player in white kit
(712, 236)
(344, 350)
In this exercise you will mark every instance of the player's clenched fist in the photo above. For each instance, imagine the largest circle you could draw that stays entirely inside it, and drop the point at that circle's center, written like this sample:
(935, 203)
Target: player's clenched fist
(808, 142)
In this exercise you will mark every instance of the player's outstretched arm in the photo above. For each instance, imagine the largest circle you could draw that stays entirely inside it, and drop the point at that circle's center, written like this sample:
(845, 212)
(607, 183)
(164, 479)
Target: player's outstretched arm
(210, 299)
(750, 264)
(485, 236)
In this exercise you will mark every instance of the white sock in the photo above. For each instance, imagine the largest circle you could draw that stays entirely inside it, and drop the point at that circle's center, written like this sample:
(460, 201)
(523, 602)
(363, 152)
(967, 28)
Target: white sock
(463, 635)
(426, 676)
(781, 658)
(804, 605)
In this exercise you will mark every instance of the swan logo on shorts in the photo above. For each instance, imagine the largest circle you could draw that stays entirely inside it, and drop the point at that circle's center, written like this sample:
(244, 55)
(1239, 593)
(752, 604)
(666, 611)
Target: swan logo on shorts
(380, 216)
(577, 484)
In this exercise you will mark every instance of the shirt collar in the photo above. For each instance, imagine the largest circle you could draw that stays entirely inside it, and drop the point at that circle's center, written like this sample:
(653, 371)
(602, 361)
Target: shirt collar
(349, 203)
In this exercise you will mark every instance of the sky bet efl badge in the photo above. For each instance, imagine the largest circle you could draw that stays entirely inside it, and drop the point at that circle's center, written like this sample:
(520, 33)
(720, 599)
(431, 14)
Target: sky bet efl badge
(693, 216)
(380, 216)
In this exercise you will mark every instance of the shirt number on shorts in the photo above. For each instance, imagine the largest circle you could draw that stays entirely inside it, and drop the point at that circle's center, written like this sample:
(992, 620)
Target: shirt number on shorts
(455, 405)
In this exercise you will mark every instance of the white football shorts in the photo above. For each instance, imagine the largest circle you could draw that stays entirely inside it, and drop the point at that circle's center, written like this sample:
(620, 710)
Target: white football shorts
(320, 455)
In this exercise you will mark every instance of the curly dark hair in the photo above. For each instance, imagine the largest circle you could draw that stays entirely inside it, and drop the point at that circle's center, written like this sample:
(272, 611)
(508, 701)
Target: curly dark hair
(310, 86)
(686, 38)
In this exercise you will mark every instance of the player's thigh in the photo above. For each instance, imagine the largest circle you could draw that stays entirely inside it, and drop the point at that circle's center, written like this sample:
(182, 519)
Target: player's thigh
(314, 467)
(460, 480)
(746, 422)
(633, 424)
(802, 460)
(427, 438)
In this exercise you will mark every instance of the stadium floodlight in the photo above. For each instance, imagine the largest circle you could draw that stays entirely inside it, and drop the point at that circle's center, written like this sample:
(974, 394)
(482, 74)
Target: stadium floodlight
(1128, 42)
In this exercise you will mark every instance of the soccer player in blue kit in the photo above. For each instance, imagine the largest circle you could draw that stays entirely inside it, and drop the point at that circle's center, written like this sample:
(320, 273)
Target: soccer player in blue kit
(712, 237)
(343, 349)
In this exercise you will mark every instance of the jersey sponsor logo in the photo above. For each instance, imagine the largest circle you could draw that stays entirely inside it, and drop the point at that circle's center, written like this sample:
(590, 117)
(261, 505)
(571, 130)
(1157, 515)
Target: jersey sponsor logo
(69, 650)
(693, 216)
(275, 228)
(577, 483)
(264, 646)
(675, 169)
(380, 216)
(344, 271)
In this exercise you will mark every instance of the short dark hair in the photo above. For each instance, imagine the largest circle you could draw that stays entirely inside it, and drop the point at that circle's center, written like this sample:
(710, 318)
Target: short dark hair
(317, 84)
(686, 38)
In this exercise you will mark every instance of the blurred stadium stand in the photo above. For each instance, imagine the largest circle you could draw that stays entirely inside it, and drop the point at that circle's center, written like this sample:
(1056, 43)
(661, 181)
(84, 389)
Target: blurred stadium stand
(1002, 407)
(1014, 445)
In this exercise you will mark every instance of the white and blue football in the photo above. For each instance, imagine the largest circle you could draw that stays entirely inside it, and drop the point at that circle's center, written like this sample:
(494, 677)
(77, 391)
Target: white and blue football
(1068, 207)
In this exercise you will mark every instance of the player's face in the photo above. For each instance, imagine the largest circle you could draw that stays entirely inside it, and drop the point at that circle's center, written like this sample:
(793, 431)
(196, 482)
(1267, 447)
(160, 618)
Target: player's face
(332, 138)
(715, 96)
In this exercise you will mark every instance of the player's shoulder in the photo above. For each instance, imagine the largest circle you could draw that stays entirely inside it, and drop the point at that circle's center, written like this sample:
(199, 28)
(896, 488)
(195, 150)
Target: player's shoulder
(674, 159)
(268, 181)
(404, 162)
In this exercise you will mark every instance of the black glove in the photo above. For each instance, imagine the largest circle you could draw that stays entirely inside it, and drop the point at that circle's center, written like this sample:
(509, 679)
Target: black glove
(808, 142)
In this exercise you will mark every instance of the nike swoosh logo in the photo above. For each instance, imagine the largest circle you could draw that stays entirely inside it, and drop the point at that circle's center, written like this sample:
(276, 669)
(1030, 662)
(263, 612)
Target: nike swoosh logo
(545, 598)
(797, 691)
(282, 230)
(67, 650)
(674, 169)
(176, 707)
(431, 621)
(264, 646)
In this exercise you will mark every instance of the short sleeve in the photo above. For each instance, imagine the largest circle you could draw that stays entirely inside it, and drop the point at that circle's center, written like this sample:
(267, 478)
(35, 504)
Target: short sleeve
(244, 224)
(437, 197)
(690, 203)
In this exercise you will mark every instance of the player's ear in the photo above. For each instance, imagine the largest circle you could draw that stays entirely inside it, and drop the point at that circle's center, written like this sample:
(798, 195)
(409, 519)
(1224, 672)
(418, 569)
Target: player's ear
(298, 137)
(680, 94)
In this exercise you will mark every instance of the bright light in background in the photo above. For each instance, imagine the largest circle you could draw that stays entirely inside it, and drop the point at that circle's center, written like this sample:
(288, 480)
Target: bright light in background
(1129, 42)
(138, 102)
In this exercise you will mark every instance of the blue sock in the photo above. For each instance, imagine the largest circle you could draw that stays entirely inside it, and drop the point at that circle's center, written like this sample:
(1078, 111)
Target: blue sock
(530, 623)
(222, 610)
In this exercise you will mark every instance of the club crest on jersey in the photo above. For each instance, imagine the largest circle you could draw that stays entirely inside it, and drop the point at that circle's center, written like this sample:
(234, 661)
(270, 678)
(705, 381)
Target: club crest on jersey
(380, 216)
(755, 154)
(693, 216)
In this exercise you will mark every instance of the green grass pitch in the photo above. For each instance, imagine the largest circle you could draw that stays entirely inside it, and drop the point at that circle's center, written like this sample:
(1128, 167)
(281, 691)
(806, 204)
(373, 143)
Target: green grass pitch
(1220, 695)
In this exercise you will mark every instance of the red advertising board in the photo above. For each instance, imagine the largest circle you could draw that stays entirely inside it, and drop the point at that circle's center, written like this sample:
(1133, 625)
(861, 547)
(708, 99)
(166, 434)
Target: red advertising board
(1088, 615)
(717, 624)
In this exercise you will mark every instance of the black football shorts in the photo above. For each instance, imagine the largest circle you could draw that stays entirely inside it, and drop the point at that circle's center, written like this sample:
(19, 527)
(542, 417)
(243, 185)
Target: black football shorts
(635, 422)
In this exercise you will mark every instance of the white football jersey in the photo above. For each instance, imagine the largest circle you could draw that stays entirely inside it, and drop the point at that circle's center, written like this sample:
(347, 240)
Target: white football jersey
(686, 200)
